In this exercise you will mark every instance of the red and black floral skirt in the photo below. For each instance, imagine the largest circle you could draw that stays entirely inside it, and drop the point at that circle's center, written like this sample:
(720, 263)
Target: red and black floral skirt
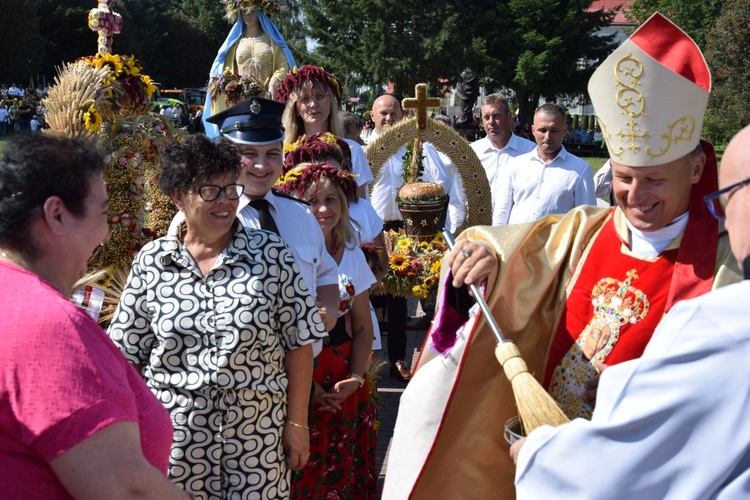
(342, 444)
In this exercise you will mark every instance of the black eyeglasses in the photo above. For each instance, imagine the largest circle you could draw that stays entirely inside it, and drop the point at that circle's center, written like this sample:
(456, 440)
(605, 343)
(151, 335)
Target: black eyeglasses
(210, 192)
(716, 205)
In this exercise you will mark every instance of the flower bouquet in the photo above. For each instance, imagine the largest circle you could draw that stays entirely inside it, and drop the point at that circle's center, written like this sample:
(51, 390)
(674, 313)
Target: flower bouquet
(413, 265)
(125, 90)
(234, 87)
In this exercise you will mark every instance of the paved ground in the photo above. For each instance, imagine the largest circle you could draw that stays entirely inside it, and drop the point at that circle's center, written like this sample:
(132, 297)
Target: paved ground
(390, 390)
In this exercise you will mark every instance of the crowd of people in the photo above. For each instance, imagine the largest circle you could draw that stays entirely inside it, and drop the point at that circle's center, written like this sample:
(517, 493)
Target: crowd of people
(237, 363)
(21, 110)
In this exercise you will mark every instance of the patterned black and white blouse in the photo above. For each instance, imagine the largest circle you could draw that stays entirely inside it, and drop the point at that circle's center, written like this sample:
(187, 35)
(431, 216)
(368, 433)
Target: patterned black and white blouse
(228, 329)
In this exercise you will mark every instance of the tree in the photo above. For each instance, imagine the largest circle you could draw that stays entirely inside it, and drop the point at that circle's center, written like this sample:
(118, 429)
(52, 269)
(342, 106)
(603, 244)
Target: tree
(726, 53)
(694, 17)
(372, 42)
(535, 48)
(20, 40)
(554, 47)
(65, 32)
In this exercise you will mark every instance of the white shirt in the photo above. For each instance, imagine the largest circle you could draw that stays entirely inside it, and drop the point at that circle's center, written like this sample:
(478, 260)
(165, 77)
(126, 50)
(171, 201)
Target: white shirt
(458, 204)
(389, 180)
(603, 180)
(672, 424)
(360, 165)
(366, 222)
(495, 160)
(532, 189)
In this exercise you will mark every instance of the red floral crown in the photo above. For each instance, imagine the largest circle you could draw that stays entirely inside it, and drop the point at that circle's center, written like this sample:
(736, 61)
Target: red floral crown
(298, 180)
(296, 79)
(318, 148)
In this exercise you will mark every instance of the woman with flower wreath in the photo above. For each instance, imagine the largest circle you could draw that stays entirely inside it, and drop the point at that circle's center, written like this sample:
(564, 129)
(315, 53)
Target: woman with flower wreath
(313, 98)
(367, 224)
(343, 436)
(254, 54)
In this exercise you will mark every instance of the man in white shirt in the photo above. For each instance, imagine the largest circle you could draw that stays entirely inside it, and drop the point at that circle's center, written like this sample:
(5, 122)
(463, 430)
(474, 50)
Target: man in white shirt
(177, 115)
(548, 180)
(501, 144)
(386, 112)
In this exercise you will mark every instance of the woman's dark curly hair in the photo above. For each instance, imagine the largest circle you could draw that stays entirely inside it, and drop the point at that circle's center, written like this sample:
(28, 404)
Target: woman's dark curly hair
(196, 160)
(34, 168)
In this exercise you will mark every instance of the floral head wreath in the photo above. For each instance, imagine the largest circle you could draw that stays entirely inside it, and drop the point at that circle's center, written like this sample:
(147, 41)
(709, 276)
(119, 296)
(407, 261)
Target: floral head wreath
(297, 78)
(298, 180)
(234, 7)
(317, 148)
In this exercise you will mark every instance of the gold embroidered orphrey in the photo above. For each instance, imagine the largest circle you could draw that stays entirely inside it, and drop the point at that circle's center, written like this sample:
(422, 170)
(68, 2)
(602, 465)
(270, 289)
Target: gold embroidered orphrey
(616, 304)
(632, 102)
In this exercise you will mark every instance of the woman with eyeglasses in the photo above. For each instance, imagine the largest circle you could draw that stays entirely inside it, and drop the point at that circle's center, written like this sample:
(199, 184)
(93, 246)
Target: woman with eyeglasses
(214, 318)
(313, 98)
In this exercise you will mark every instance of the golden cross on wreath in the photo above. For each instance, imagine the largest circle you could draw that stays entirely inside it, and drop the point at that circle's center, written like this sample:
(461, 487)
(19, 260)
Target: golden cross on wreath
(421, 103)
(107, 23)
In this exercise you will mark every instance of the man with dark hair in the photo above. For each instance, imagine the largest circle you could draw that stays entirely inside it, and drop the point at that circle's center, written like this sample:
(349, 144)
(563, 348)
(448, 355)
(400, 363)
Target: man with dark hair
(547, 180)
(353, 125)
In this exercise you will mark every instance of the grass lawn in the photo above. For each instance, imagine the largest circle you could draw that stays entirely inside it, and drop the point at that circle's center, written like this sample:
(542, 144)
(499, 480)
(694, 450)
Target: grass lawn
(596, 163)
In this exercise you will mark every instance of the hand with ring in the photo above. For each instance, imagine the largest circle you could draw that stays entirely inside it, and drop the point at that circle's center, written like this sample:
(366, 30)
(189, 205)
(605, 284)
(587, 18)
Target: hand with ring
(472, 263)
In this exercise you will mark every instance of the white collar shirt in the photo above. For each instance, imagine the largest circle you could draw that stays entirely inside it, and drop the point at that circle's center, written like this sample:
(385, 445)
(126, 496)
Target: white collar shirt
(301, 232)
(532, 189)
(389, 180)
(495, 160)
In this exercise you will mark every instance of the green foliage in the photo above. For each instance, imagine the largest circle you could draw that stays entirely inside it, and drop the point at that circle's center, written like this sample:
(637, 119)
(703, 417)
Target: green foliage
(20, 41)
(726, 53)
(549, 43)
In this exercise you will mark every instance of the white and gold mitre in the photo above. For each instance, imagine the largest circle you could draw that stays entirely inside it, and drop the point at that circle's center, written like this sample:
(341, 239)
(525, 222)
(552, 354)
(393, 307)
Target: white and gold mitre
(650, 95)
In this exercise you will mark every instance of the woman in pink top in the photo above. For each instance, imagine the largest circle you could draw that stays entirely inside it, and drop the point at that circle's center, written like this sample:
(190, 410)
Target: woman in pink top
(75, 419)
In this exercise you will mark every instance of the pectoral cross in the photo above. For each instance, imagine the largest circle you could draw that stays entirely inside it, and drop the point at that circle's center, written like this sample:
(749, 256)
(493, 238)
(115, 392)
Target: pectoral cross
(107, 23)
(421, 103)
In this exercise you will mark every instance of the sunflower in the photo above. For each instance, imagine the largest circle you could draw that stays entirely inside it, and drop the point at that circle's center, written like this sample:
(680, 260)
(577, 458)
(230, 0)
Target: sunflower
(423, 245)
(420, 291)
(113, 61)
(150, 88)
(435, 267)
(399, 263)
(92, 120)
(132, 66)
(404, 244)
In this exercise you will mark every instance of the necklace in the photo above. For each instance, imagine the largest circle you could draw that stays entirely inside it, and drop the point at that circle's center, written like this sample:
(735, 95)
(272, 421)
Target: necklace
(335, 250)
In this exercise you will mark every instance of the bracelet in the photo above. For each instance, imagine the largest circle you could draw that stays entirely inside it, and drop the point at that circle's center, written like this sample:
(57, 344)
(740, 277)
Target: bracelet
(359, 379)
(295, 424)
